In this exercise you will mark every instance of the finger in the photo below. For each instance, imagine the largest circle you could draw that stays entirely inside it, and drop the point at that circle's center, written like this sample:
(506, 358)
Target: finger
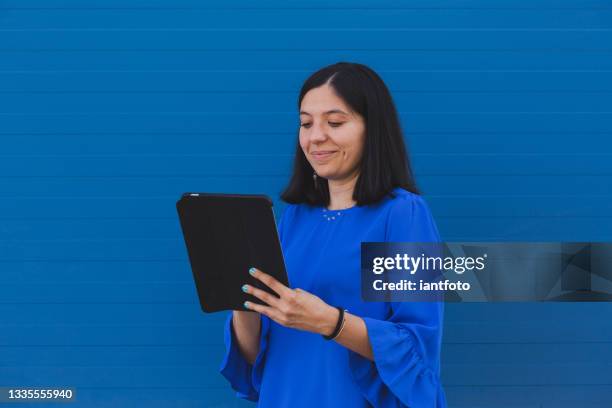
(268, 298)
(270, 281)
(265, 310)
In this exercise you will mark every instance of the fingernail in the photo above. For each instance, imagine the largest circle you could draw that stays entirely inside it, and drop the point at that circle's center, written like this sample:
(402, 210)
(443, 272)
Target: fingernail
(252, 271)
(246, 304)
(245, 288)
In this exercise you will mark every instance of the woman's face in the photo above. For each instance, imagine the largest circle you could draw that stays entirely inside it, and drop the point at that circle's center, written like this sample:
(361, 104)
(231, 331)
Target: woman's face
(331, 136)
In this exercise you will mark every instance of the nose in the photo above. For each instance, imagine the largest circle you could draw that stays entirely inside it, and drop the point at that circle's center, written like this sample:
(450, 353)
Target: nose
(317, 133)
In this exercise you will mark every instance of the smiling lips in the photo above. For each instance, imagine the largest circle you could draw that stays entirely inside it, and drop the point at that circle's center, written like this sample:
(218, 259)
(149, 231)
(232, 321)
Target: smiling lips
(323, 155)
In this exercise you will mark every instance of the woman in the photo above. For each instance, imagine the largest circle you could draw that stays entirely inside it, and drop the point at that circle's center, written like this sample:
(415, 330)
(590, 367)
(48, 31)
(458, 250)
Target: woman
(318, 344)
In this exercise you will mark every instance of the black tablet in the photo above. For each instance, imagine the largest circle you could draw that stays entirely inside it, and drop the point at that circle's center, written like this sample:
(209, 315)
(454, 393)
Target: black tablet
(225, 235)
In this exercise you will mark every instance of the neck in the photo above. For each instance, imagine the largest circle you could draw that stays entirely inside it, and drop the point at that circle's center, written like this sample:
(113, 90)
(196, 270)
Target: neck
(341, 192)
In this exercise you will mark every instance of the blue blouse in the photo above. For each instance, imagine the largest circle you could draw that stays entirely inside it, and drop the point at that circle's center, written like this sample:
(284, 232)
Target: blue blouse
(296, 368)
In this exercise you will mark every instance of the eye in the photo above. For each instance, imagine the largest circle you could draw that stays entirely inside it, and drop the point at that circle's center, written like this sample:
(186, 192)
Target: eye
(305, 125)
(335, 124)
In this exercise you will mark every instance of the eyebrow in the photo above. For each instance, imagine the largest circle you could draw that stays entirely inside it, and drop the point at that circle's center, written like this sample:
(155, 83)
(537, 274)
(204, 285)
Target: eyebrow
(326, 113)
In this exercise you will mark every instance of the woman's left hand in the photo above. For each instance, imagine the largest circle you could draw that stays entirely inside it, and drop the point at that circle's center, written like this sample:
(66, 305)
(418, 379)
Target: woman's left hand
(294, 308)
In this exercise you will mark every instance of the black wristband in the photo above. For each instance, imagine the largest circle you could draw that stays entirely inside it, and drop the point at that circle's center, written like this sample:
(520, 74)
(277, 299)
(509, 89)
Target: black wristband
(338, 325)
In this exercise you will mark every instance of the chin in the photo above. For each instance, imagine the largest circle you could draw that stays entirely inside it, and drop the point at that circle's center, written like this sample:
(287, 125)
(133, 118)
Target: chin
(324, 173)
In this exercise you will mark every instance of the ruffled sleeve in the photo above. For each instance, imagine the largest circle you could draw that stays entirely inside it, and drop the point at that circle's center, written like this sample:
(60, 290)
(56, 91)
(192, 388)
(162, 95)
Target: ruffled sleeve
(406, 345)
(245, 378)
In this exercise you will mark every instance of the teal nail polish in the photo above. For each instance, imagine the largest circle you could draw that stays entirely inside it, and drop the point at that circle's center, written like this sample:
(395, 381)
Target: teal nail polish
(245, 288)
(252, 271)
(246, 304)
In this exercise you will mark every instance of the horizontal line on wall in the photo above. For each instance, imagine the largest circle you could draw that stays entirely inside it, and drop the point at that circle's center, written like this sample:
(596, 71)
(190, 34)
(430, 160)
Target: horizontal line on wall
(322, 8)
(279, 155)
(303, 71)
(500, 196)
(224, 387)
(175, 239)
(522, 342)
(289, 29)
(191, 176)
(100, 303)
(106, 366)
(564, 216)
(250, 133)
(165, 92)
(260, 175)
(148, 260)
(108, 345)
(255, 155)
(85, 283)
(200, 345)
(179, 133)
(157, 50)
(519, 385)
(155, 387)
(299, 7)
(235, 113)
(38, 197)
(92, 282)
(195, 324)
(507, 238)
(185, 366)
(191, 155)
(216, 363)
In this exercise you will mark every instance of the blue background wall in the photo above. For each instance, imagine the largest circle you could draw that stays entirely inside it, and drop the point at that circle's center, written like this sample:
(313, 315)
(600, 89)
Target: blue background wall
(109, 110)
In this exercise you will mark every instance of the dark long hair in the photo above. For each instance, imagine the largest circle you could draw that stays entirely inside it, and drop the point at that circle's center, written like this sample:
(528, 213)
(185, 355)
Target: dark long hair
(384, 164)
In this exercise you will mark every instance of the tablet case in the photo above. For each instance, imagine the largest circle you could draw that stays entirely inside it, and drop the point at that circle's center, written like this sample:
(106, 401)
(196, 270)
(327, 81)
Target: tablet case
(225, 235)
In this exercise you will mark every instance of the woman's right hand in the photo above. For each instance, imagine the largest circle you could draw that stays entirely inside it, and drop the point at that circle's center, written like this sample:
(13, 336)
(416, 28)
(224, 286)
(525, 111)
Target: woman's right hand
(247, 328)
